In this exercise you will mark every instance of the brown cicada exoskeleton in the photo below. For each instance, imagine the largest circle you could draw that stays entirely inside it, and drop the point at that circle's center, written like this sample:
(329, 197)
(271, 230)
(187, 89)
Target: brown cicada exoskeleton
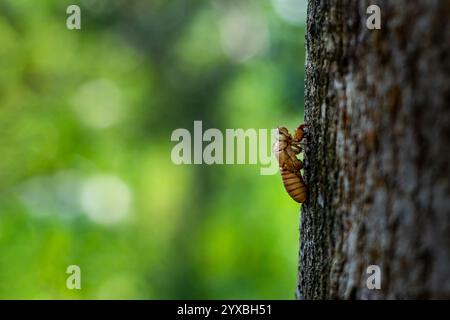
(286, 149)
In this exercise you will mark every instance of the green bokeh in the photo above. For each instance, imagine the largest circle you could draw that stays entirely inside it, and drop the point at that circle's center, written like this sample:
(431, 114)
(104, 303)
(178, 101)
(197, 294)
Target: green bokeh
(86, 176)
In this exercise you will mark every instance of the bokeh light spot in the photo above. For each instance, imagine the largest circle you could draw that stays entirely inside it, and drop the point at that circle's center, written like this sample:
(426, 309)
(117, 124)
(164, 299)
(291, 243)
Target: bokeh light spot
(99, 103)
(244, 34)
(106, 199)
(292, 11)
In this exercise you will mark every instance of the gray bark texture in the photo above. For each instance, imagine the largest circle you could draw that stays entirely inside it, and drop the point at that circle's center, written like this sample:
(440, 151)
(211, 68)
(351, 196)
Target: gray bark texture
(378, 110)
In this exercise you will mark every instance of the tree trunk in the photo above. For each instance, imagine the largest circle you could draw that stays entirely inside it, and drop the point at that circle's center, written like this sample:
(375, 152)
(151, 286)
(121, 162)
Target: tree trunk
(377, 106)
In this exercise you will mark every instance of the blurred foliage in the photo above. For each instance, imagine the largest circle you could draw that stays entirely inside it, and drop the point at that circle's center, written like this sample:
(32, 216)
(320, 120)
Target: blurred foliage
(85, 171)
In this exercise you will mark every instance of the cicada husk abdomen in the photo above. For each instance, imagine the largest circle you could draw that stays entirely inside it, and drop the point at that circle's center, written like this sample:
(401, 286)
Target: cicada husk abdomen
(294, 185)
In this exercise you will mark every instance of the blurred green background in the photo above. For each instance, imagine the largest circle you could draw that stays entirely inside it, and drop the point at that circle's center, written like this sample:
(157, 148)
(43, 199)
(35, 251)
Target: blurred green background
(86, 176)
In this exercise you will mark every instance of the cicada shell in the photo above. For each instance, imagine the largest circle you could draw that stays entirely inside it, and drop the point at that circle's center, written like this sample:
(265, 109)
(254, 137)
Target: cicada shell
(286, 149)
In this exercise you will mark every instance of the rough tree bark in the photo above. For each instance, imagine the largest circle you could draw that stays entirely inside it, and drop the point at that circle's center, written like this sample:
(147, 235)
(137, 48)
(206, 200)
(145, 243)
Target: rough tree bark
(377, 105)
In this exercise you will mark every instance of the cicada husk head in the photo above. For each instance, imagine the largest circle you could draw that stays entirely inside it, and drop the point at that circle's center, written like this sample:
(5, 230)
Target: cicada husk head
(283, 134)
(299, 132)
